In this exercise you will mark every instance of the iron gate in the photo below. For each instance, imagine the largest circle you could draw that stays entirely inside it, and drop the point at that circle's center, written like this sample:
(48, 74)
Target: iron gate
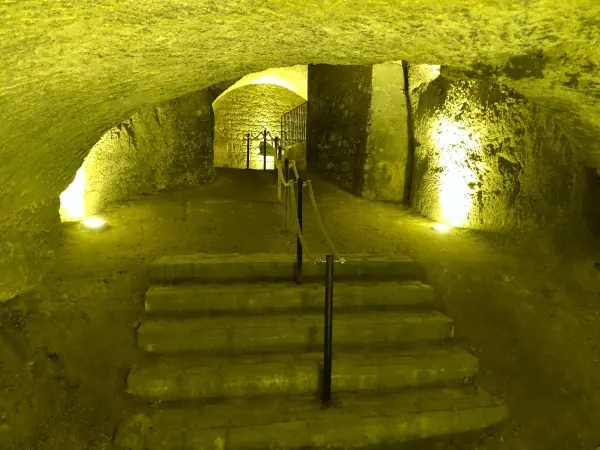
(246, 151)
(261, 150)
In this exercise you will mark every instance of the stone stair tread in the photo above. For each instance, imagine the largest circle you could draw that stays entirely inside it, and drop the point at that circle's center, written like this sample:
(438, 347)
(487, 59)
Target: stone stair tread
(262, 257)
(294, 374)
(268, 321)
(194, 297)
(243, 333)
(394, 351)
(293, 422)
(255, 267)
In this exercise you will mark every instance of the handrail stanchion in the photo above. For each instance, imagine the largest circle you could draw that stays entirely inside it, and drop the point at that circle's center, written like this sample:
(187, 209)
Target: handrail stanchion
(286, 177)
(276, 158)
(328, 344)
(298, 243)
(265, 156)
(248, 152)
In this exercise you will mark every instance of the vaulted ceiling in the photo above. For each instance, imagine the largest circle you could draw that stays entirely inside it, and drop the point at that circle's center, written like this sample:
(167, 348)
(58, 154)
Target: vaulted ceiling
(69, 70)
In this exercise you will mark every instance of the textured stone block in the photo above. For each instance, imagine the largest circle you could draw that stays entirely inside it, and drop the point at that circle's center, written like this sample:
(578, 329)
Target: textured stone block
(241, 334)
(282, 296)
(294, 423)
(278, 435)
(284, 374)
(257, 267)
(28, 242)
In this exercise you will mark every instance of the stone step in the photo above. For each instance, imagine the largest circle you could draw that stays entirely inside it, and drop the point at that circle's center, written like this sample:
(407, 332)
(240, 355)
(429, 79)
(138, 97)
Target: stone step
(292, 423)
(276, 267)
(289, 374)
(290, 332)
(259, 297)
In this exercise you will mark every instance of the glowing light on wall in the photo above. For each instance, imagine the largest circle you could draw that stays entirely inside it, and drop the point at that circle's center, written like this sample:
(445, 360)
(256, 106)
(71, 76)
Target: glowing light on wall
(454, 142)
(72, 200)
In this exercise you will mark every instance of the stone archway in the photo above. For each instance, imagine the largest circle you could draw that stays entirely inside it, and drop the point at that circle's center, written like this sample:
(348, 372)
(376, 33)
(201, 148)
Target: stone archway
(248, 109)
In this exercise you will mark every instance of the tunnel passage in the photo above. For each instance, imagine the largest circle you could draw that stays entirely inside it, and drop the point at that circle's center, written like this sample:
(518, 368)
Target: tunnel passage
(70, 74)
(160, 147)
(258, 107)
(249, 110)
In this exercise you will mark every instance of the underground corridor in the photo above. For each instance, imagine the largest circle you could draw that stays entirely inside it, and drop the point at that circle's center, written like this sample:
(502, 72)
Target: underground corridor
(167, 165)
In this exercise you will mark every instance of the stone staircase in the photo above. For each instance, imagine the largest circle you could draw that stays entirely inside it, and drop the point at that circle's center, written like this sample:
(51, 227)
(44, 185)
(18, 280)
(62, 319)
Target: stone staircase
(234, 350)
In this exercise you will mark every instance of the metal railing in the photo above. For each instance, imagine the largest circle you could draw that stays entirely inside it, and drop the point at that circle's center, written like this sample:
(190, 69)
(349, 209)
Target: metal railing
(293, 125)
(294, 204)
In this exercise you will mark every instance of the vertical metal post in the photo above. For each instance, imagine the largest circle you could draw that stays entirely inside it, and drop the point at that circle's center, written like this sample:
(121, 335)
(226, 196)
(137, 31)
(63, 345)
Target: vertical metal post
(265, 144)
(248, 152)
(276, 158)
(328, 344)
(286, 177)
(298, 243)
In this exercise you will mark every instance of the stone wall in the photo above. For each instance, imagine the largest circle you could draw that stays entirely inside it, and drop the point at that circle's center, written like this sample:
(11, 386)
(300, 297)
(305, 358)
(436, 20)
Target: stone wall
(591, 205)
(160, 147)
(249, 109)
(28, 241)
(339, 99)
(387, 140)
(297, 152)
(487, 158)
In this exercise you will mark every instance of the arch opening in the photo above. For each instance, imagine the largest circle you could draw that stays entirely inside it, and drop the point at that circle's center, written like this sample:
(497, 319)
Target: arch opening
(242, 116)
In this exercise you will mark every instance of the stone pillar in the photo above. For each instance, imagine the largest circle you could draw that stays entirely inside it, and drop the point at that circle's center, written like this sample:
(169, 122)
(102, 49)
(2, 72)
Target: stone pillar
(387, 135)
(338, 112)
(357, 128)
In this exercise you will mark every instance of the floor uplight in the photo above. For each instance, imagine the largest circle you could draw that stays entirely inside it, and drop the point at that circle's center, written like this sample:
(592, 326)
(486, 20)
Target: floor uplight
(441, 227)
(93, 222)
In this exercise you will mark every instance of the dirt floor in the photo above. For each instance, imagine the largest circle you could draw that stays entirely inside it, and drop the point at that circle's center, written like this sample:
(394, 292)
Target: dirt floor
(526, 306)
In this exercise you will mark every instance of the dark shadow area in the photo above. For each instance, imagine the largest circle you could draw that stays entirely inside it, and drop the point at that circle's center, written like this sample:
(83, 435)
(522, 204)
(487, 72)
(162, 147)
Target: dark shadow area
(591, 201)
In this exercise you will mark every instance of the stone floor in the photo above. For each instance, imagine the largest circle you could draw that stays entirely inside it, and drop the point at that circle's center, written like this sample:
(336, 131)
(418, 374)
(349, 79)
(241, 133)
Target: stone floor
(529, 311)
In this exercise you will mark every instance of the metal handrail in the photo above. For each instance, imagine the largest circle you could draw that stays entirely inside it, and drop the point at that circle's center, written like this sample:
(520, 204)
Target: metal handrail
(328, 331)
(329, 261)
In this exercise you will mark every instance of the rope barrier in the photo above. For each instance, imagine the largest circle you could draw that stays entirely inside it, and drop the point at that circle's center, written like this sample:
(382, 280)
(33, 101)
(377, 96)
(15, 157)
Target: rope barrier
(289, 185)
(280, 180)
(296, 174)
(293, 209)
(320, 223)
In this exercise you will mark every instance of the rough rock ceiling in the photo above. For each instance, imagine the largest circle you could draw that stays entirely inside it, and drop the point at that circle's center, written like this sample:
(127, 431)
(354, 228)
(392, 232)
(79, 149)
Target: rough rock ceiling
(69, 70)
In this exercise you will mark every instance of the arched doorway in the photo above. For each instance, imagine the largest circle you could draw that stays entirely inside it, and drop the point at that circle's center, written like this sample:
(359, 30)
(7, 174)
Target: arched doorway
(250, 111)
